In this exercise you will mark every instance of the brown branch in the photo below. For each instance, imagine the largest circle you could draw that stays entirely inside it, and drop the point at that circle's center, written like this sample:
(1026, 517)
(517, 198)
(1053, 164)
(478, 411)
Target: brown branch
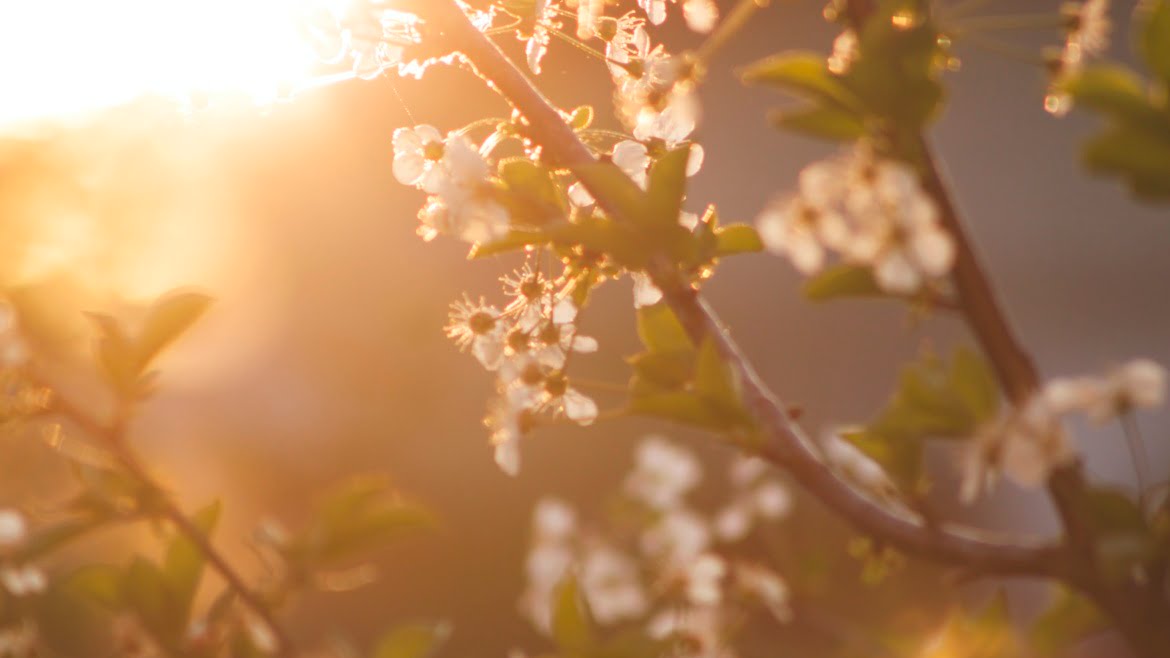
(785, 445)
(112, 437)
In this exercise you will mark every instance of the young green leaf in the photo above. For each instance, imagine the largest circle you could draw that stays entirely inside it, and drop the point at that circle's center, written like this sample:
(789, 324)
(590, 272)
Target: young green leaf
(660, 330)
(412, 641)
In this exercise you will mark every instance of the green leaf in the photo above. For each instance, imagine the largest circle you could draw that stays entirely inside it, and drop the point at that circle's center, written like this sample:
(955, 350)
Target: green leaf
(359, 515)
(167, 319)
(183, 565)
(667, 187)
(606, 180)
(714, 379)
(412, 641)
(581, 118)
(842, 281)
(737, 239)
(1070, 618)
(900, 458)
(1116, 92)
(823, 122)
(689, 409)
(72, 621)
(895, 73)
(1141, 157)
(532, 196)
(663, 370)
(660, 330)
(572, 627)
(116, 354)
(145, 590)
(972, 379)
(100, 583)
(803, 74)
(1155, 38)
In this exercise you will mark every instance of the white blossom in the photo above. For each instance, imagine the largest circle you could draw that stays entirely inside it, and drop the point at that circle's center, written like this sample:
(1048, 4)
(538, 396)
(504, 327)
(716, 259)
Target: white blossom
(704, 579)
(756, 497)
(1026, 446)
(23, 580)
(478, 327)
(553, 520)
(1139, 384)
(663, 473)
(559, 336)
(418, 157)
(611, 585)
(678, 536)
(700, 15)
(13, 529)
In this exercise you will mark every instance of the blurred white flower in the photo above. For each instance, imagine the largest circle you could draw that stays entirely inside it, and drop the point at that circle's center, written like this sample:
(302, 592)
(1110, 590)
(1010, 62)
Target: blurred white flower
(13, 529)
(23, 580)
(677, 537)
(755, 497)
(700, 15)
(1026, 446)
(663, 473)
(553, 520)
(611, 585)
(1139, 384)
(704, 579)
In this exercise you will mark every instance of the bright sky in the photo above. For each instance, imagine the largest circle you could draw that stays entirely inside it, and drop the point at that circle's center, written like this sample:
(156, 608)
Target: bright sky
(62, 58)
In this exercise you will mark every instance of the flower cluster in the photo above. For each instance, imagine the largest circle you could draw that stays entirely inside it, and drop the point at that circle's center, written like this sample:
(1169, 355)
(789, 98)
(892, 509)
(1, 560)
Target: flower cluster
(528, 345)
(872, 211)
(1030, 442)
(458, 179)
(674, 578)
(374, 38)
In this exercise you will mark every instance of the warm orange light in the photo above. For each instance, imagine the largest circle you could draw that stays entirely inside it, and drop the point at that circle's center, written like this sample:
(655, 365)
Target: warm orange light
(69, 57)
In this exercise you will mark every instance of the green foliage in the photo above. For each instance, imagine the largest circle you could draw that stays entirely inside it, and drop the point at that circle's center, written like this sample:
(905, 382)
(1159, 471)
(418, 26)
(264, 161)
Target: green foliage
(667, 188)
(1124, 541)
(1135, 145)
(530, 193)
(184, 561)
(359, 515)
(841, 281)
(1069, 618)
(572, 625)
(125, 357)
(891, 84)
(418, 640)
(933, 400)
(677, 381)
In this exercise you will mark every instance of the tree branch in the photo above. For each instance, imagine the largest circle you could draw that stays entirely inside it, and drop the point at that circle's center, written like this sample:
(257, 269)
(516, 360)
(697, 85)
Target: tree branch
(112, 437)
(785, 445)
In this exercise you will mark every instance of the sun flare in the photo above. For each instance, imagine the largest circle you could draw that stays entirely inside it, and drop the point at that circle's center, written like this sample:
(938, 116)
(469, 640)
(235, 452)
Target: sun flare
(68, 58)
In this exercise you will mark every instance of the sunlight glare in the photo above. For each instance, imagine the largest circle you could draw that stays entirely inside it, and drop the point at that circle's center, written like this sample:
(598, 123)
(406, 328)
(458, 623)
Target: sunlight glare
(67, 58)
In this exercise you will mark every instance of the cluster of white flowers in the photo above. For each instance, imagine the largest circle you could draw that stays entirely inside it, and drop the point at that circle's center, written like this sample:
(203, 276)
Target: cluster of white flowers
(458, 179)
(528, 345)
(675, 579)
(20, 640)
(1087, 29)
(374, 38)
(871, 211)
(17, 579)
(1030, 442)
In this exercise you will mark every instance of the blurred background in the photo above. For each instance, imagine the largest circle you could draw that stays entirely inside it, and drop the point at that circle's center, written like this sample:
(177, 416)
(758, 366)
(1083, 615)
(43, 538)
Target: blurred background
(323, 355)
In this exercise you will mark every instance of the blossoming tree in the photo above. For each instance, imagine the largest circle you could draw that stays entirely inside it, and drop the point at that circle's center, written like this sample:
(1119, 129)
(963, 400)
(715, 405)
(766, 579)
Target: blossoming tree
(579, 207)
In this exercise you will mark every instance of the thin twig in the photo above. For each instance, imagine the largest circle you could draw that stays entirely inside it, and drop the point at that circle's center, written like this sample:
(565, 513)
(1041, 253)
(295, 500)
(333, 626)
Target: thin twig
(112, 437)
